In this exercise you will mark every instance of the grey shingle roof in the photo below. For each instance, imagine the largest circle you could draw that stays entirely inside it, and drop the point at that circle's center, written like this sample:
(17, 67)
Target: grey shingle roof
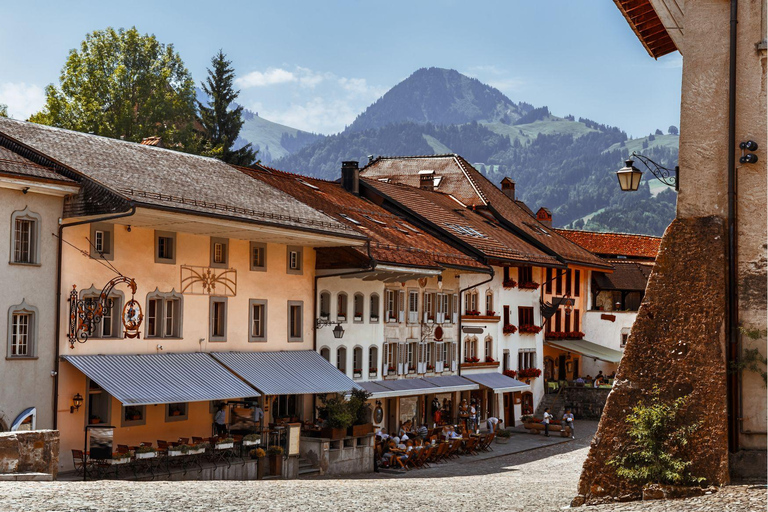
(159, 177)
(12, 163)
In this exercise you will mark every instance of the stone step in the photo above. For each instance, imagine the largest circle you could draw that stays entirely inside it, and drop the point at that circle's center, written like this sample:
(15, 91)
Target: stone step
(26, 477)
(308, 471)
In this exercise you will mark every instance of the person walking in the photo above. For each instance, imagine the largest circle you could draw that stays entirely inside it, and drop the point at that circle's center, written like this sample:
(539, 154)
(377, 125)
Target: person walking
(547, 418)
(568, 422)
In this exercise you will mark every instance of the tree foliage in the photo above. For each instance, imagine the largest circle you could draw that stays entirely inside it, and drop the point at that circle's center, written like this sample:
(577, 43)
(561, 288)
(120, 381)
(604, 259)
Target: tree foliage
(3, 110)
(122, 84)
(672, 130)
(221, 123)
(658, 434)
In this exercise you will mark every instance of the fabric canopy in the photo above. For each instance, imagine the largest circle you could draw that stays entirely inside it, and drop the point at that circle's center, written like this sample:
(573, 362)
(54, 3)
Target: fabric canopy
(162, 378)
(294, 372)
(498, 382)
(411, 387)
(587, 348)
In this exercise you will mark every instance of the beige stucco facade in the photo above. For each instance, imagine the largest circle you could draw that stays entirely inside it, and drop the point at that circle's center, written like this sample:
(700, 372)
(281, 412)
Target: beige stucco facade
(703, 162)
(28, 381)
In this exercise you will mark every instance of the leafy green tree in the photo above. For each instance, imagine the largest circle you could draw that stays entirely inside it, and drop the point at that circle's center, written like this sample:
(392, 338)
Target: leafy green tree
(3, 110)
(122, 84)
(221, 124)
(672, 130)
(658, 434)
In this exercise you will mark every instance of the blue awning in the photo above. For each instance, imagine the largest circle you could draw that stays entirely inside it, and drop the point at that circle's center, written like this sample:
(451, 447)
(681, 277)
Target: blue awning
(423, 386)
(498, 382)
(162, 378)
(293, 372)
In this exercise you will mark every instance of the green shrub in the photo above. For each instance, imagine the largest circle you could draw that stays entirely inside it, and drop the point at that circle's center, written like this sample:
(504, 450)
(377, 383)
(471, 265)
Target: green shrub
(658, 433)
(504, 433)
(359, 407)
(275, 450)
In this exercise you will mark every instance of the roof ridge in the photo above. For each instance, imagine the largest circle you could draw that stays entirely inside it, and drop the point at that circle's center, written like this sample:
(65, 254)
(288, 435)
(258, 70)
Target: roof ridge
(639, 235)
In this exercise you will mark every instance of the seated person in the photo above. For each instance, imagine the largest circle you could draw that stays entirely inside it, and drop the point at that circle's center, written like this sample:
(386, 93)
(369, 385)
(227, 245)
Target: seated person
(422, 431)
(580, 380)
(387, 452)
(382, 434)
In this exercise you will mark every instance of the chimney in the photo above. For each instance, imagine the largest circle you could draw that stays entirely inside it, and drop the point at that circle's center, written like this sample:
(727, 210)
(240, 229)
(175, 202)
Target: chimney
(350, 177)
(544, 216)
(427, 180)
(508, 187)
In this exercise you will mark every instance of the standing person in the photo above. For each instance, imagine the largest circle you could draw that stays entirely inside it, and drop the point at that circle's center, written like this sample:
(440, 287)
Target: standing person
(464, 414)
(473, 417)
(547, 418)
(493, 423)
(568, 422)
(220, 420)
(435, 411)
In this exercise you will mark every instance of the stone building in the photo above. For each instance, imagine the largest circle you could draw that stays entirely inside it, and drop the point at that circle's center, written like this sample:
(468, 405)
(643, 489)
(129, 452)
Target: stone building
(705, 305)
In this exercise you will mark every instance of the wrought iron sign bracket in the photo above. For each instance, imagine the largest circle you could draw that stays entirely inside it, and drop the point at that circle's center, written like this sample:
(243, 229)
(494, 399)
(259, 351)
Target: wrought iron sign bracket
(87, 313)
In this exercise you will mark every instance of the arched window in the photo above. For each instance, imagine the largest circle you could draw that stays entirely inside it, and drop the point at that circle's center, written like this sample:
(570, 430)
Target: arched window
(489, 303)
(489, 349)
(25, 237)
(373, 361)
(357, 362)
(470, 349)
(341, 307)
(358, 306)
(374, 310)
(325, 305)
(325, 352)
(470, 303)
(22, 331)
(341, 359)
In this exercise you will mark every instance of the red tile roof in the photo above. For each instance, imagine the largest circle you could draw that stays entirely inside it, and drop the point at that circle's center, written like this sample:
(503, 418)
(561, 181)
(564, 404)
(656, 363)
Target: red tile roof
(614, 244)
(393, 240)
(444, 212)
(459, 179)
(647, 25)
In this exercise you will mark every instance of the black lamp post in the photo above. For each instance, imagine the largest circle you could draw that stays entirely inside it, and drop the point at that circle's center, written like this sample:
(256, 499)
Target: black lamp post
(338, 331)
(629, 176)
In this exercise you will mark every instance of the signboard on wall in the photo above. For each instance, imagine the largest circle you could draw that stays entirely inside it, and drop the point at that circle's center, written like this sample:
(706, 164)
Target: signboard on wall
(408, 408)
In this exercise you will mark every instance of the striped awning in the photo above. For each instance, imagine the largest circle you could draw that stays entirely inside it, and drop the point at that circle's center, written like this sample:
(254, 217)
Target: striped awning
(588, 349)
(295, 372)
(498, 382)
(162, 378)
(411, 387)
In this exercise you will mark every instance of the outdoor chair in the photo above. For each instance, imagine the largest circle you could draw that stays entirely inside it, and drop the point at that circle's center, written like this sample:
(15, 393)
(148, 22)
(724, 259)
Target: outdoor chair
(79, 460)
(453, 452)
(442, 451)
(485, 444)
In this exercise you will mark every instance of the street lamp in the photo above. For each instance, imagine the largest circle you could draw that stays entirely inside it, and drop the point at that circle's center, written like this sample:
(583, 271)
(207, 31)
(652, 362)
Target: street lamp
(77, 401)
(629, 176)
(338, 331)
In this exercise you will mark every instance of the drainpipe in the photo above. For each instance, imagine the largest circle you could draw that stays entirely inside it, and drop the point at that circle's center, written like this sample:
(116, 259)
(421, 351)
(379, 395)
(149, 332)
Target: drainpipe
(461, 294)
(58, 301)
(732, 351)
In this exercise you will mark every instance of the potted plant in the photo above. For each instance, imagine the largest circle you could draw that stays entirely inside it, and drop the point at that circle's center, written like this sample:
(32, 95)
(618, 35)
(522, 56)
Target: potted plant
(530, 285)
(472, 312)
(357, 373)
(94, 419)
(509, 283)
(391, 370)
(503, 435)
(145, 452)
(490, 313)
(358, 318)
(199, 448)
(372, 371)
(275, 460)
(341, 318)
(258, 455)
(121, 458)
(178, 450)
(529, 373)
(360, 410)
(335, 412)
(225, 443)
(374, 318)
(529, 329)
(430, 367)
(252, 440)
(489, 359)
(510, 373)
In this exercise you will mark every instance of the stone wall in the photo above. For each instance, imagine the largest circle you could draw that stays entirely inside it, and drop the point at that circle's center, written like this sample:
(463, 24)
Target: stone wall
(35, 451)
(586, 403)
(348, 456)
(677, 344)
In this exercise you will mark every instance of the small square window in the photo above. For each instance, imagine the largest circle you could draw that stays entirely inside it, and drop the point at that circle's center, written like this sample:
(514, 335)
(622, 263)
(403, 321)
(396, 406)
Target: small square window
(258, 256)
(134, 415)
(258, 320)
(295, 320)
(218, 319)
(219, 252)
(102, 241)
(294, 260)
(177, 411)
(165, 247)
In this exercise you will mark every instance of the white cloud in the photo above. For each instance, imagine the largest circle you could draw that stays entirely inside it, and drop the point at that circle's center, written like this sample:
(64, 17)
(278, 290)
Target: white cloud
(318, 115)
(271, 76)
(508, 85)
(22, 99)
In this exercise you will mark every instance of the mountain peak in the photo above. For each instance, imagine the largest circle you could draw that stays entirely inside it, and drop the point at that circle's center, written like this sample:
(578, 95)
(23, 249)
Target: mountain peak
(438, 96)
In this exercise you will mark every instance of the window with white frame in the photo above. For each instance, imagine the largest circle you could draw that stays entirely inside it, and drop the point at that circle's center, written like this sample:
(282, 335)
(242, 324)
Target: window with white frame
(374, 311)
(219, 252)
(439, 356)
(526, 358)
(325, 305)
(470, 303)
(295, 320)
(488, 342)
(489, 303)
(413, 306)
(163, 315)
(441, 313)
(22, 331)
(258, 320)
(341, 359)
(25, 237)
(470, 349)
(102, 241)
(341, 307)
(429, 307)
(358, 305)
(295, 256)
(218, 319)
(357, 362)
(373, 360)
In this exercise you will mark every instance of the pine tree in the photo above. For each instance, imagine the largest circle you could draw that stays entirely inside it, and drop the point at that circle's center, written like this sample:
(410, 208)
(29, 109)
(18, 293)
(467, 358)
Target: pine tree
(220, 123)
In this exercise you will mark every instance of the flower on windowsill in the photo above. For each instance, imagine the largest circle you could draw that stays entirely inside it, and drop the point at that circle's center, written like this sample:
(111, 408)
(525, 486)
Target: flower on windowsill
(471, 359)
(373, 370)
(530, 285)
(358, 370)
(529, 373)
(391, 369)
(472, 312)
(509, 329)
(430, 368)
(490, 313)
(529, 329)
(570, 335)
(509, 283)
(490, 360)
(510, 373)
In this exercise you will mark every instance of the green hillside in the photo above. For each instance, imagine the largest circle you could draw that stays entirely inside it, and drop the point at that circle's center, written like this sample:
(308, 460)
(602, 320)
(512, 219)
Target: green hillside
(268, 137)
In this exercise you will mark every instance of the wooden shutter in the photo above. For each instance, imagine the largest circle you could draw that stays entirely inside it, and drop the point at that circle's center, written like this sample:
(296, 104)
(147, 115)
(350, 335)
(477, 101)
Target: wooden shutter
(576, 319)
(568, 277)
(506, 315)
(401, 306)
(558, 322)
(576, 283)
(559, 282)
(548, 286)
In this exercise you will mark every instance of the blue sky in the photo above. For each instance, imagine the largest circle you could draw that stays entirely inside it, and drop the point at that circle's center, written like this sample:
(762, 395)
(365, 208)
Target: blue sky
(316, 65)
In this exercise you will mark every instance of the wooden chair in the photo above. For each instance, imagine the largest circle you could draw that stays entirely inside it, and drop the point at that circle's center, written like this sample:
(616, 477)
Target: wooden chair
(78, 457)
(183, 440)
(485, 444)
(162, 447)
(123, 448)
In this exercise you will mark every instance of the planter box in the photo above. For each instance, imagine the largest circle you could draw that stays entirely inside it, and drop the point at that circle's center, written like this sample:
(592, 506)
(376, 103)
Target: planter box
(147, 455)
(116, 462)
(360, 430)
(333, 433)
(261, 468)
(225, 446)
(357, 375)
(199, 451)
(358, 319)
(374, 374)
(175, 453)
(480, 318)
(502, 440)
(252, 443)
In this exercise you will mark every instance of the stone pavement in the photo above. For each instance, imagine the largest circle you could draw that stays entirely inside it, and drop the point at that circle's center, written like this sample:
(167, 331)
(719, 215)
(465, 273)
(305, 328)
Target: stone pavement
(540, 480)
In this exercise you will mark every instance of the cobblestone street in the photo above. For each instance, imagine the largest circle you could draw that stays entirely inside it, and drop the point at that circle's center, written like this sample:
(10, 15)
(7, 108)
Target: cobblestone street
(543, 480)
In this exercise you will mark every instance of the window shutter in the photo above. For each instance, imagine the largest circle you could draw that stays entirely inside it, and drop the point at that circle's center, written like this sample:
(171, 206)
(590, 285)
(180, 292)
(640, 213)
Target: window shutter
(548, 287)
(452, 356)
(576, 283)
(438, 356)
(401, 355)
(559, 282)
(568, 278)
(401, 306)
(576, 320)
(506, 315)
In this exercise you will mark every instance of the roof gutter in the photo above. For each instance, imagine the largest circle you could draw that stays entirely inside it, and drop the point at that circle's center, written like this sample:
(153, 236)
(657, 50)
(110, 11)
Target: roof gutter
(57, 341)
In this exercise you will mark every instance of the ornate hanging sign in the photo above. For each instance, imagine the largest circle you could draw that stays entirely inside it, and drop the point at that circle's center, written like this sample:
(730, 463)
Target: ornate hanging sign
(87, 313)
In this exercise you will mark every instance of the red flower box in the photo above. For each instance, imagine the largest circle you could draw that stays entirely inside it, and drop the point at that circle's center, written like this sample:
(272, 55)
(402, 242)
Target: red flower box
(471, 359)
(529, 373)
(509, 329)
(570, 335)
(510, 373)
(490, 360)
(529, 329)
(509, 283)
(528, 286)
(472, 313)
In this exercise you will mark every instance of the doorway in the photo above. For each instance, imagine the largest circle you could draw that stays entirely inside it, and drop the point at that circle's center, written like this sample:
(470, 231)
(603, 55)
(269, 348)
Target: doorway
(509, 410)
(561, 373)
